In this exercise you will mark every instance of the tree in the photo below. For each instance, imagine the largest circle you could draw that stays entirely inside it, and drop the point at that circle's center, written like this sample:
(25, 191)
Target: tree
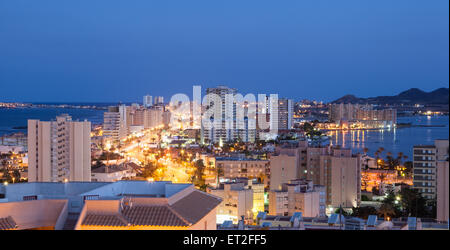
(391, 162)
(386, 209)
(344, 213)
(219, 172)
(366, 150)
(413, 203)
(377, 157)
(363, 212)
(400, 156)
(149, 170)
(197, 178)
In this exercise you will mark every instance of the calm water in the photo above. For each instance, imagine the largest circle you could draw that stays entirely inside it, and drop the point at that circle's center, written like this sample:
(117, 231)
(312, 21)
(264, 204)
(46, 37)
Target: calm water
(10, 118)
(394, 140)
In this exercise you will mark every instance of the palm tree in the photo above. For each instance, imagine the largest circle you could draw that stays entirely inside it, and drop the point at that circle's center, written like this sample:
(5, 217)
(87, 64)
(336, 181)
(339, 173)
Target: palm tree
(366, 150)
(400, 158)
(377, 154)
(381, 149)
(219, 172)
(390, 160)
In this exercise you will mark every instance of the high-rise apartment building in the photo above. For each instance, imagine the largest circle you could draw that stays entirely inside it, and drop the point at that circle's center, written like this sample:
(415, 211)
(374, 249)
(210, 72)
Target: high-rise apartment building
(424, 166)
(147, 101)
(428, 160)
(281, 114)
(59, 150)
(149, 117)
(114, 123)
(220, 102)
(158, 100)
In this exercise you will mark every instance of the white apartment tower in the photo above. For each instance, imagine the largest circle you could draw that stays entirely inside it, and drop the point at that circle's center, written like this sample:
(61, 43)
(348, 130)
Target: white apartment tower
(222, 102)
(147, 101)
(115, 123)
(59, 150)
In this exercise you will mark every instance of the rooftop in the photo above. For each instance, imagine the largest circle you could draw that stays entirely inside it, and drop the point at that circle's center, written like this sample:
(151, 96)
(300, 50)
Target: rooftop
(146, 212)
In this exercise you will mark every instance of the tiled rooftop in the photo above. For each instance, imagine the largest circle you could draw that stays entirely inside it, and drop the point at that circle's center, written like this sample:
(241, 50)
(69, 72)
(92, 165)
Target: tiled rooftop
(196, 205)
(154, 216)
(7, 223)
(111, 220)
(183, 213)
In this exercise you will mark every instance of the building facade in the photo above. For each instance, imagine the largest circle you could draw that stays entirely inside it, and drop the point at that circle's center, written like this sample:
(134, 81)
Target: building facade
(59, 150)
(114, 123)
(334, 167)
(147, 101)
(298, 196)
(237, 201)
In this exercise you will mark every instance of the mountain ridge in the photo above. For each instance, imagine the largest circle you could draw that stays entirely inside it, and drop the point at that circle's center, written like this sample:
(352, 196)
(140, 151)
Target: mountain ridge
(411, 96)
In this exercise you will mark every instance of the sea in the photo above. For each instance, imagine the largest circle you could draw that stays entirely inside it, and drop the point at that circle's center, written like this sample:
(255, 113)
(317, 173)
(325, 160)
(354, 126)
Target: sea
(401, 139)
(13, 120)
(392, 140)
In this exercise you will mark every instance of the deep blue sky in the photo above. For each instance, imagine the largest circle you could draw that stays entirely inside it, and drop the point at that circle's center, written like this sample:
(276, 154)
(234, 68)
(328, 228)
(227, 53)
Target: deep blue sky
(109, 50)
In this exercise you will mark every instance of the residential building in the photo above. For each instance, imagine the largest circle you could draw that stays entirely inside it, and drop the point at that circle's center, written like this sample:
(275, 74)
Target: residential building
(158, 100)
(149, 117)
(425, 159)
(114, 126)
(147, 101)
(442, 174)
(334, 167)
(237, 201)
(220, 101)
(59, 150)
(236, 167)
(442, 191)
(298, 196)
(366, 115)
(112, 173)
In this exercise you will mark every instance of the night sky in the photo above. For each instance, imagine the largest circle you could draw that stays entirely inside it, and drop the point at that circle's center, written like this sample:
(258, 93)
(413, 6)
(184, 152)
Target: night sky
(109, 50)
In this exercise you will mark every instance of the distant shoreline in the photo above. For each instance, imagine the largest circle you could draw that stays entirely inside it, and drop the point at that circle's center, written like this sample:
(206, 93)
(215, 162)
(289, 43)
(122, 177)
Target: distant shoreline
(65, 106)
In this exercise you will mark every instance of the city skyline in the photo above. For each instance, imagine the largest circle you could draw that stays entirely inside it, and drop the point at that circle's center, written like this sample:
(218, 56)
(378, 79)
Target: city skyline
(225, 116)
(73, 52)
